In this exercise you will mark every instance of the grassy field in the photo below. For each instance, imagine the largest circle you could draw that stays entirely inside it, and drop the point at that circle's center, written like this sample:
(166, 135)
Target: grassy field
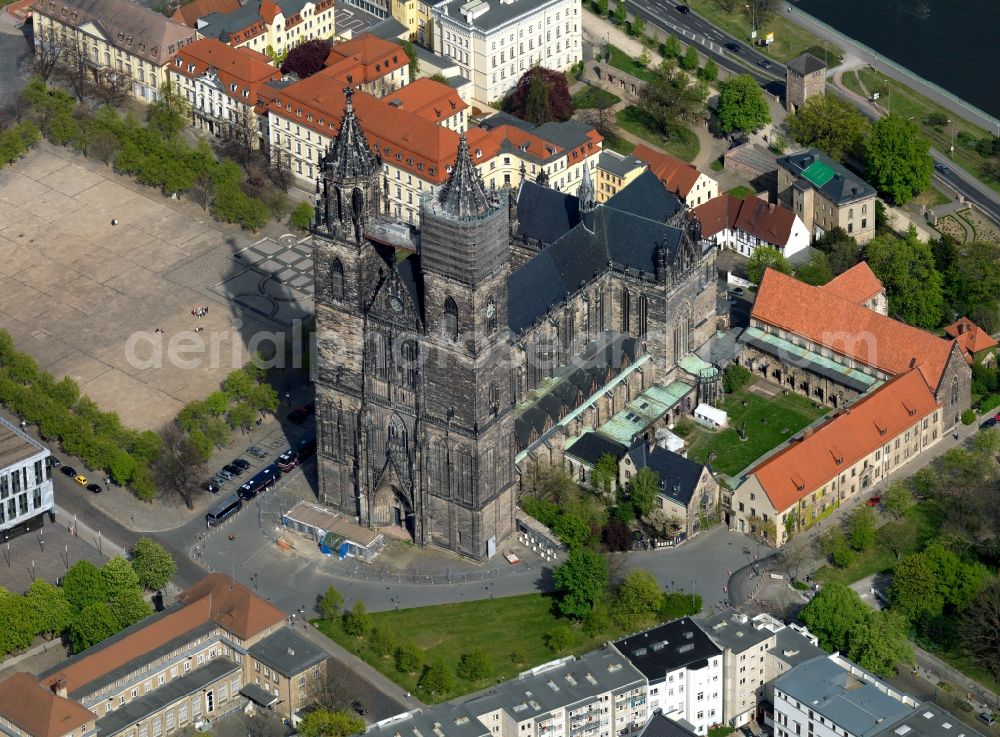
(741, 191)
(619, 144)
(511, 630)
(905, 102)
(620, 60)
(594, 97)
(769, 421)
(789, 39)
(917, 527)
(684, 146)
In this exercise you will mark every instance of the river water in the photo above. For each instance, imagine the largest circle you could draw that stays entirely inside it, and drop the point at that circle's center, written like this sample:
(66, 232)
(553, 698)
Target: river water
(953, 43)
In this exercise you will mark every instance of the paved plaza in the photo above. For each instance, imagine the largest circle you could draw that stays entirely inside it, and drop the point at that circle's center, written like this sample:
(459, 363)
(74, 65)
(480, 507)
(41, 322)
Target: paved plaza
(87, 299)
(46, 553)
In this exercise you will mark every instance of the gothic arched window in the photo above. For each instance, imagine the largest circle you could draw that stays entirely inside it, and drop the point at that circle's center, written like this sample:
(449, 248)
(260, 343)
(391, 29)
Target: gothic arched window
(643, 313)
(450, 318)
(337, 280)
(409, 364)
(625, 310)
(954, 390)
(491, 316)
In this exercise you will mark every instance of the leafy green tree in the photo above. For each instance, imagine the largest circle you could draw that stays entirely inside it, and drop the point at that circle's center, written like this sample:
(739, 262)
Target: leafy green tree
(672, 100)
(980, 626)
(331, 604)
(638, 599)
(861, 526)
(841, 249)
(834, 546)
(710, 72)
(689, 62)
(119, 576)
(742, 105)
(381, 641)
(637, 26)
(437, 678)
(537, 109)
(830, 124)
(128, 607)
(833, 613)
(409, 657)
(816, 271)
(735, 377)
(302, 216)
(604, 477)
(20, 622)
(91, 625)
(241, 415)
(602, 8)
(676, 604)
(357, 622)
(583, 579)
(598, 620)
(621, 13)
(474, 665)
(51, 610)
(83, 584)
(154, 565)
(169, 114)
(879, 644)
(913, 592)
(766, 257)
(559, 638)
(573, 530)
(643, 490)
(671, 47)
(327, 723)
(897, 158)
(897, 498)
(958, 580)
(912, 283)
(972, 282)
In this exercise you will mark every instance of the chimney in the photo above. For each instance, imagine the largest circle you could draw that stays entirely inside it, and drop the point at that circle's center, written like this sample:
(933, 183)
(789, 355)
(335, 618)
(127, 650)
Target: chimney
(962, 328)
(58, 687)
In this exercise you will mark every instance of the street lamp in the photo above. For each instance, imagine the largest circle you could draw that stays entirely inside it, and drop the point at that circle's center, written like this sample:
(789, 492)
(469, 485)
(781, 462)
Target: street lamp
(753, 20)
(489, 589)
(952, 138)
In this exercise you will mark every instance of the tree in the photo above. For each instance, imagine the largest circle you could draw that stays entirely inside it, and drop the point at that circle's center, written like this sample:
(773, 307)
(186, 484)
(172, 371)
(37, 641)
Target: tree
(879, 644)
(832, 614)
(48, 52)
(639, 598)
(381, 641)
(766, 257)
(307, 58)
(972, 282)
(357, 622)
(914, 593)
(91, 625)
(835, 548)
(735, 377)
(741, 105)
(326, 723)
(154, 565)
(897, 159)
(302, 216)
(170, 112)
(897, 498)
(113, 89)
(621, 13)
(602, 8)
(437, 678)
(559, 638)
(816, 271)
(912, 283)
(330, 604)
(541, 95)
(602, 119)
(128, 607)
(637, 26)
(604, 477)
(20, 623)
(409, 658)
(582, 578)
(689, 62)
(83, 585)
(573, 530)
(981, 626)
(643, 490)
(119, 576)
(411, 53)
(710, 72)
(52, 611)
(841, 249)
(474, 665)
(180, 465)
(679, 604)
(672, 100)
(671, 47)
(617, 536)
(861, 526)
(830, 124)
(242, 415)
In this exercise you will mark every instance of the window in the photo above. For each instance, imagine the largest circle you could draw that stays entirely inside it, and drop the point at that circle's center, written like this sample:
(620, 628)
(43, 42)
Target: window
(337, 280)
(450, 320)
(160, 679)
(209, 702)
(625, 310)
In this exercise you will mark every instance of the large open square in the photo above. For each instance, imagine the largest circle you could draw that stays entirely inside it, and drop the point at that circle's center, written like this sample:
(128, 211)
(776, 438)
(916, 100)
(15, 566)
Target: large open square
(110, 303)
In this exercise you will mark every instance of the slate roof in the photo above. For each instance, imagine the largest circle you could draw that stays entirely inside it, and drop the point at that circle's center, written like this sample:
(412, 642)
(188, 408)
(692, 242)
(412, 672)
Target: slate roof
(660, 726)
(464, 194)
(804, 64)
(647, 197)
(545, 214)
(498, 13)
(674, 645)
(928, 720)
(837, 184)
(592, 446)
(350, 156)
(678, 475)
(36, 710)
(616, 163)
(287, 652)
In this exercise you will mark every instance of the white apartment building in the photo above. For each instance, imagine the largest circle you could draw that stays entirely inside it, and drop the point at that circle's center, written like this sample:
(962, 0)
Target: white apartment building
(270, 26)
(495, 41)
(743, 225)
(683, 668)
(25, 482)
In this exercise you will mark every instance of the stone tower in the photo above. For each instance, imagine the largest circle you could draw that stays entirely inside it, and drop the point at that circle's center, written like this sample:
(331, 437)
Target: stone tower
(348, 196)
(805, 77)
(468, 404)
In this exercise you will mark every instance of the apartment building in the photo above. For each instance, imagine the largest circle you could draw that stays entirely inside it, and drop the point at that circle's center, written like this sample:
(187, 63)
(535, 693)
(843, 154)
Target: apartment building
(272, 27)
(826, 195)
(29, 711)
(25, 482)
(678, 176)
(416, 16)
(288, 669)
(117, 39)
(744, 225)
(436, 102)
(683, 668)
(495, 41)
(614, 172)
(368, 64)
(223, 85)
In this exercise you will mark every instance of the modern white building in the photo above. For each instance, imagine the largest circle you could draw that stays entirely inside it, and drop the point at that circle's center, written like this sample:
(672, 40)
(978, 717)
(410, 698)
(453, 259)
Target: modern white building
(495, 41)
(683, 668)
(25, 482)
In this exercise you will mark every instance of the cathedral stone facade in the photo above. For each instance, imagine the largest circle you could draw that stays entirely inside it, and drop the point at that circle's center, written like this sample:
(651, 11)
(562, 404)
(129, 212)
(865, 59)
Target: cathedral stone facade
(425, 360)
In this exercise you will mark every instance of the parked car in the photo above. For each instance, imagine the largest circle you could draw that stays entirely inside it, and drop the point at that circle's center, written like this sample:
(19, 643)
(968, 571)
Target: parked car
(241, 464)
(738, 291)
(95, 488)
(986, 717)
(257, 452)
(301, 414)
(80, 479)
(226, 474)
(219, 480)
(68, 470)
(54, 462)
(234, 470)
(211, 486)
(873, 501)
(988, 423)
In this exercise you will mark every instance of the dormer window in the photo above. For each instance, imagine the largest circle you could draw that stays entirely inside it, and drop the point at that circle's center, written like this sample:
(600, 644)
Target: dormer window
(180, 62)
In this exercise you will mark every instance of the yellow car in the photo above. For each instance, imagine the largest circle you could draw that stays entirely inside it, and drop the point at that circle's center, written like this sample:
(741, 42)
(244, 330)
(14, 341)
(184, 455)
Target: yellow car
(81, 479)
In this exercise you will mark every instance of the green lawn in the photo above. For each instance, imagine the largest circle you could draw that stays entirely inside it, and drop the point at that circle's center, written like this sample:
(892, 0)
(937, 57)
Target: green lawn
(769, 422)
(684, 145)
(620, 60)
(618, 144)
(741, 191)
(905, 102)
(594, 97)
(789, 39)
(510, 630)
(917, 527)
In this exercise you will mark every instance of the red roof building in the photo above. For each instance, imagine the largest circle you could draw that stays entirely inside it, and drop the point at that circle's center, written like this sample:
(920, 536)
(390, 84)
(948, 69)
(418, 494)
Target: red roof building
(678, 176)
(977, 345)
(368, 63)
(743, 225)
(860, 285)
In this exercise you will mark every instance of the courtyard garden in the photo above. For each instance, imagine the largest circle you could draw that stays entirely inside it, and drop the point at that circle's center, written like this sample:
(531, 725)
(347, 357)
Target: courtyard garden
(768, 422)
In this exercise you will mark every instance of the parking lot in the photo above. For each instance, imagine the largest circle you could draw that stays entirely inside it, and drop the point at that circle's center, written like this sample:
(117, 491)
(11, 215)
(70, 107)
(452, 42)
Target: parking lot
(350, 21)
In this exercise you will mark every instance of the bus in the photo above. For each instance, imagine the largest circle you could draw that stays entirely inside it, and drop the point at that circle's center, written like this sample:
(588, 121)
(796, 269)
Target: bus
(224, 510)
(261, 481)
(300, 451)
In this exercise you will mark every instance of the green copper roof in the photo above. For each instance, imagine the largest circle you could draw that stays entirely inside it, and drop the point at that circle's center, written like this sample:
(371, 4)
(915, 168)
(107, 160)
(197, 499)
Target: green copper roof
(694, 365)
(818, 173)
(644, 410)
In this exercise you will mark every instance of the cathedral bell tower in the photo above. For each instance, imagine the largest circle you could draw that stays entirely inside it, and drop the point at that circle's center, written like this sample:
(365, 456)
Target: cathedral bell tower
(468, 406)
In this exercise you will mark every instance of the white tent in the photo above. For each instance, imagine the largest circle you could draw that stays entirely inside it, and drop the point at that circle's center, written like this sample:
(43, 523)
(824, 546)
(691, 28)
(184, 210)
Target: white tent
(710, 416)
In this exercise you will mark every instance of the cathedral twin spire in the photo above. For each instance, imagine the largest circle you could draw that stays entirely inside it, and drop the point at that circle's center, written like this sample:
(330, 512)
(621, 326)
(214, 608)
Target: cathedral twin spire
(464, 194)
(350, 156)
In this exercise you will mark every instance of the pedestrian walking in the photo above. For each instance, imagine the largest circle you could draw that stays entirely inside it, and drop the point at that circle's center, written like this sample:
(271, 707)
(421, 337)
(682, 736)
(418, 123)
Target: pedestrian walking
(114, 222)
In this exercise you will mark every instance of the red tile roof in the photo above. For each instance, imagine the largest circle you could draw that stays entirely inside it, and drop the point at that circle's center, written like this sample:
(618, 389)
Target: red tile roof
(428, 98)
(970, 337)
(849, 329)
(851, 435)
(246, 68)
(37, 710)
(677, 176)
(190, 13)
(364, 58)
(771, 223)
(858, 284)
(718, 214)
(233, 606)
